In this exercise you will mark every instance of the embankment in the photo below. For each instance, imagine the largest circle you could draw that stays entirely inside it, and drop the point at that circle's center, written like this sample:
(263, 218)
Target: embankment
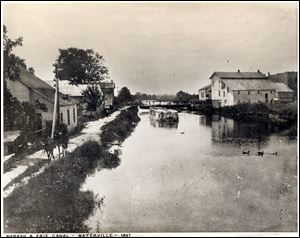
(52, 202)
(280, 116)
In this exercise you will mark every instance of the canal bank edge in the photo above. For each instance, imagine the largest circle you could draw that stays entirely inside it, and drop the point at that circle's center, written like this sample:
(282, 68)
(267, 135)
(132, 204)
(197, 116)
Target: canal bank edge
(52, 201)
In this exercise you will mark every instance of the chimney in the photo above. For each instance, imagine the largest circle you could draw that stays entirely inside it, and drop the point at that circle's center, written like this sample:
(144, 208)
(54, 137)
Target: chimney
(239, 71)
(258, 71)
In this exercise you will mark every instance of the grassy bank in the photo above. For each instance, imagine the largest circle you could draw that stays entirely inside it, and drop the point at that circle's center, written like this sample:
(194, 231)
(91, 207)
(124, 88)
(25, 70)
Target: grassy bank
(284, 115)
(52, 200)
(120, 128)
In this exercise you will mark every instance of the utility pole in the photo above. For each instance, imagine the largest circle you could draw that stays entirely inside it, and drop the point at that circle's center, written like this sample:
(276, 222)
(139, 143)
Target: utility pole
(56, 111)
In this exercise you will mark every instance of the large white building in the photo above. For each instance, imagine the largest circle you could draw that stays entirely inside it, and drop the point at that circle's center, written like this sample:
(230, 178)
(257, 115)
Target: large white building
(231, 88)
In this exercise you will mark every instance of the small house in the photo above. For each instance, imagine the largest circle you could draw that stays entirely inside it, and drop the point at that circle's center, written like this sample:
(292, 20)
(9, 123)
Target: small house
(205, 93)
(30, 88)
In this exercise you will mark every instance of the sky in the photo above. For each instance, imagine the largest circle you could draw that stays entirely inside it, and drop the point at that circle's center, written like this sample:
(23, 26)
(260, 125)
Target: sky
(159, 47)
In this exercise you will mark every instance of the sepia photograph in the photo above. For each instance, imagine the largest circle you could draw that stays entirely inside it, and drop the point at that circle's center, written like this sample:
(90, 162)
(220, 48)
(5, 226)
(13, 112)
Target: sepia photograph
(126, 119)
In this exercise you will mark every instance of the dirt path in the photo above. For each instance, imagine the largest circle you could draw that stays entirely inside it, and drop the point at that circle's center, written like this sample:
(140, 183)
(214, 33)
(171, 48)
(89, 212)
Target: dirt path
(90, 132)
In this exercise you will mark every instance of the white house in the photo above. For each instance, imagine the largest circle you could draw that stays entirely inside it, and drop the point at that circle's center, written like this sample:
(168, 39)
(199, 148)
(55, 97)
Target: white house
(205, 93)
(231, 88)
(30, 88)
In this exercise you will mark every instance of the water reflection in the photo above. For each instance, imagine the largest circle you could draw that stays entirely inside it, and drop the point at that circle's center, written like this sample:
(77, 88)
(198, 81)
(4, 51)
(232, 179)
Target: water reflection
(227, 130)
(161, 168)
(163, 124)
(205, 120)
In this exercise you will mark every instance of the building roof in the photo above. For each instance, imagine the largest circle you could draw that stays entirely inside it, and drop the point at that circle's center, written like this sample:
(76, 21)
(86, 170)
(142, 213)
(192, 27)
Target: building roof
(239, 75)
(43, 88)
(253, 84)
(106, 85)
(71, 89)
(282, 87)
(206, 87)
(32, 81)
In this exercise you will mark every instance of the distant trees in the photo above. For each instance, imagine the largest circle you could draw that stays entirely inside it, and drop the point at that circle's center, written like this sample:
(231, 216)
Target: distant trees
(92, 97)
(80, 66)
(124, 97)
(185, 97)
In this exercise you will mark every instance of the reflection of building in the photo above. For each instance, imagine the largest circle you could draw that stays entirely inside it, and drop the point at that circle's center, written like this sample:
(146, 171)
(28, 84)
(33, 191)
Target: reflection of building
(205, 93)
(108, 92)
(231, 88)
(163, 124)
(205, 120)
(225, 129)
(30, 89)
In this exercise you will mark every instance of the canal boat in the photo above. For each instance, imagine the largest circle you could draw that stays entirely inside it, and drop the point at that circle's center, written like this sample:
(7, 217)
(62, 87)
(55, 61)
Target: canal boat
(163, 114)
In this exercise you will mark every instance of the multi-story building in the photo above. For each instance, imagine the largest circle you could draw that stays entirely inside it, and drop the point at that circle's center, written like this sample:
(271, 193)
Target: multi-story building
(231, 88)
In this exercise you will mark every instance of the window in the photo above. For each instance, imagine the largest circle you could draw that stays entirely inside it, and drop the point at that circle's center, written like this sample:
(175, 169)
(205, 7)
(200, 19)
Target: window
(68, 113)
(258, 92)
(74, 115)
(249, 92)
(239, 101)
(227, 89)
(223, 93)
(225, 101)
(202, 94)
(213, 83)
(61, 117)
(219, 93)
(238, 91)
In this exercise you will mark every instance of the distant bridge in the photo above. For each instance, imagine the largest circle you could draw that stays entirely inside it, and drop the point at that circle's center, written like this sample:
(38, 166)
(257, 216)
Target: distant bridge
(197, 106)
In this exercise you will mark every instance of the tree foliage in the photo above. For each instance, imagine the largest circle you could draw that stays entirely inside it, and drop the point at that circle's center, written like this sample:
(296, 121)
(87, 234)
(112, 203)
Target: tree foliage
(80, 66)
(12, 62)
(124, 96)
(92, 96)
(17, 115)
(185, 97)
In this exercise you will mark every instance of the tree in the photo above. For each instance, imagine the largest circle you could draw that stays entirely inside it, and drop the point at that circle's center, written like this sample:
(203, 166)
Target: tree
(92, 96)
(185, 97)
(17, 115)
(124, 96)
(80, 66)
(12, 63)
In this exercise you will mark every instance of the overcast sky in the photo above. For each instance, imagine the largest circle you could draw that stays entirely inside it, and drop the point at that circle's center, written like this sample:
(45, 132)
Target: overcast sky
(159, 47)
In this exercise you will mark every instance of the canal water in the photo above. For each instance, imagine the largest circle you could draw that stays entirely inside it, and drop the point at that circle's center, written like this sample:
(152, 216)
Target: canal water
(193, 176)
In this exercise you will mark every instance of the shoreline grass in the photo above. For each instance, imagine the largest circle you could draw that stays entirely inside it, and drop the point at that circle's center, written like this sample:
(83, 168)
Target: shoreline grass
(52, 202)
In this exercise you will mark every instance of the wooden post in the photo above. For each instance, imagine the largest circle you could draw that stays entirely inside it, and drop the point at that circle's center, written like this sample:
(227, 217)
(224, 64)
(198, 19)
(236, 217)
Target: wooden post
(54, 122)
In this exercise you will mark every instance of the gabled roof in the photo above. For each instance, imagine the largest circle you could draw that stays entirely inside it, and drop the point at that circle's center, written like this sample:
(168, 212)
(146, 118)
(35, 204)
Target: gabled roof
(42, 88)
(32, 81)
(206, 87)
(106, 85)
(254, 84)
(240, 75)
(71, 89)
(282, 87)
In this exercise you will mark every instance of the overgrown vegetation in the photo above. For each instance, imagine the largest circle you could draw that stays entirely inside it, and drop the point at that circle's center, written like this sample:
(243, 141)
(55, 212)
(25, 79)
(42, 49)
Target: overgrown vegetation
(52, 200)
(121, 127)
(278, 115)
